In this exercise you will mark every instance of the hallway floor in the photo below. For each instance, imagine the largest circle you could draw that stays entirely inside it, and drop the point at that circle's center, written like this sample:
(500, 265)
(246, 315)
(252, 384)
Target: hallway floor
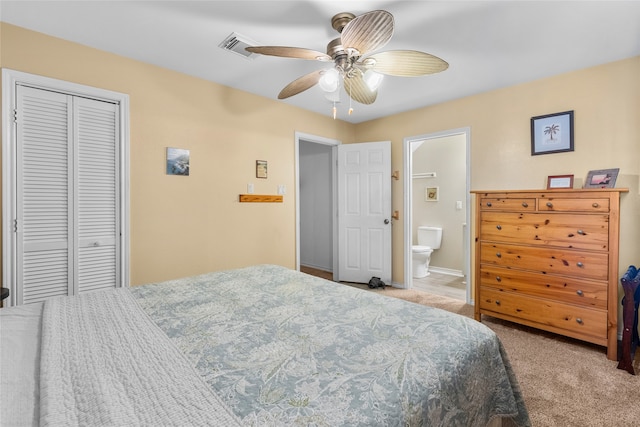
(435, 283)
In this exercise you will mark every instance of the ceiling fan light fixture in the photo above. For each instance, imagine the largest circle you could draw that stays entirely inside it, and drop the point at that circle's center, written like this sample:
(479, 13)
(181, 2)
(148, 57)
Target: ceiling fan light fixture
(372, 79)
(329, 80)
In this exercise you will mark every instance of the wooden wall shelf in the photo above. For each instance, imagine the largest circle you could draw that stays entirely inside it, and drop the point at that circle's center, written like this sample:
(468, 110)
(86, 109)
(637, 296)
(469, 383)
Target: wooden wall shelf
(260, 198)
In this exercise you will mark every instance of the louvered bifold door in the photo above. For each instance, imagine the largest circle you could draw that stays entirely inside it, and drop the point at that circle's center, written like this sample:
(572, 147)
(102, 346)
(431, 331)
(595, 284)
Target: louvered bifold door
(97, 195)
(44, 228)
(67, 195)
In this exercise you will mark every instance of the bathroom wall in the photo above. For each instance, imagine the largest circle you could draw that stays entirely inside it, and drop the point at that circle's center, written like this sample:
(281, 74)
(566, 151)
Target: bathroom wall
(446, 157)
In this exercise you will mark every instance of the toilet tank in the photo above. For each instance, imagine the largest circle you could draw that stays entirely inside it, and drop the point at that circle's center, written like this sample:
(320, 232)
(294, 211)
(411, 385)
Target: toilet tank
(430, 236)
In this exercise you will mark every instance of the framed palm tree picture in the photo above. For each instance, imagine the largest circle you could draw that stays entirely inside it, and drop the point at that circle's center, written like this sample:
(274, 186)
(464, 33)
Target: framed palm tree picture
(552, 133)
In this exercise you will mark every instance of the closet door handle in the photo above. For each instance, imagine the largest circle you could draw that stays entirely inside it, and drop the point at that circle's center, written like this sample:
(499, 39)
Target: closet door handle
(579, 264)
(525, 204)
(549, 204)
(579, 292)
(595, 205)
(499, 255)
(489, 204)
(499, 227)
(581, 232)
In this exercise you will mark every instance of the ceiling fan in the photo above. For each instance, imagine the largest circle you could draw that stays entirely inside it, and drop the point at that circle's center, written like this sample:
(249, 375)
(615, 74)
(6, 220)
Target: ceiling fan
(353, 60)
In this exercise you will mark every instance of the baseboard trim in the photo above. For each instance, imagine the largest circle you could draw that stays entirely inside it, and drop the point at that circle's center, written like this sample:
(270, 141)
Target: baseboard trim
(447, 271)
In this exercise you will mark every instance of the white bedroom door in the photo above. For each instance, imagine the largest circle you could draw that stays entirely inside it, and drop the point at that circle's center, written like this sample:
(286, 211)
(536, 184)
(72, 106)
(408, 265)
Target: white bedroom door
(67, 195)
(364, 212)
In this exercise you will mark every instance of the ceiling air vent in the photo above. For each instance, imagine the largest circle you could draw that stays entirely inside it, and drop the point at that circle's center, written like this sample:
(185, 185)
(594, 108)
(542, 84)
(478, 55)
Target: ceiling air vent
(236, 43)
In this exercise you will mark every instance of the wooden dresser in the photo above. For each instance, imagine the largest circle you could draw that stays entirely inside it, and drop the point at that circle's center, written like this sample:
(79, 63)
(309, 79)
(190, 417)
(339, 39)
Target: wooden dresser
(549, 259)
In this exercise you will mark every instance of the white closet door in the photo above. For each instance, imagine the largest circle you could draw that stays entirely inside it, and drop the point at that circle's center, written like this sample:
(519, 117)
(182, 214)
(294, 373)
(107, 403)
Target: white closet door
(97, 195)
(44, 224)
(68, 208)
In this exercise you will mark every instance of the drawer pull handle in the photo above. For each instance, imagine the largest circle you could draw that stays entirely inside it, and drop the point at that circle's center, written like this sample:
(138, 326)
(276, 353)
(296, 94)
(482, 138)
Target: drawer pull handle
(489, 204)
(549, 204)
(581, 232)
(579, 320)
(579, 292)
(497, 302)
(595, 205)
(579, 264)
(498, 254)
(525, 204)
(499, 227)
(498, 279)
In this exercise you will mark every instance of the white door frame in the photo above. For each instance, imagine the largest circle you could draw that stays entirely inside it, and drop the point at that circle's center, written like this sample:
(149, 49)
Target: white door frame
(11, 78)
(408, 215)
(300, 136)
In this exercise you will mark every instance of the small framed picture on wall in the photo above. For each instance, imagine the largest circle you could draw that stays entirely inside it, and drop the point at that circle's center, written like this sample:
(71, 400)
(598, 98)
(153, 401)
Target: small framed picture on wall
(431, 194)
(552, 133)
(261, 168)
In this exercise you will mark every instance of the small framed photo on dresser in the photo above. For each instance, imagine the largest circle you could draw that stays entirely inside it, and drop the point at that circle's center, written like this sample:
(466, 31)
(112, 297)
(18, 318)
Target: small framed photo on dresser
(602, 178)
(559, 181)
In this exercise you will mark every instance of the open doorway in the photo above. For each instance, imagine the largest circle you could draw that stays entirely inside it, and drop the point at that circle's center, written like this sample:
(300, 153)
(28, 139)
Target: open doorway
(437, 184)
(315, 204)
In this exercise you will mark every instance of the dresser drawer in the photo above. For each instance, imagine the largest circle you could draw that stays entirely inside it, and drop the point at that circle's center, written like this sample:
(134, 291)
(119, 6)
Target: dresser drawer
(588, 293)
(568, 262)
(584, 321)
(560, 204)
(508, 204)
(564, 230)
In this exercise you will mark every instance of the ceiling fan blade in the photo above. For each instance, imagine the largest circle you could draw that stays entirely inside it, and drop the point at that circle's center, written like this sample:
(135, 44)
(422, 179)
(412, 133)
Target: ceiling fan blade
(406, 63)
(289, 52)
(300, 84)
(368, 32)
(358, 90)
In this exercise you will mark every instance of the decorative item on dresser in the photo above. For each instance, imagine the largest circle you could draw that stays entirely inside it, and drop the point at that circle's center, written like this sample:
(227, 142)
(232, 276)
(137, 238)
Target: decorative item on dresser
(549, 259)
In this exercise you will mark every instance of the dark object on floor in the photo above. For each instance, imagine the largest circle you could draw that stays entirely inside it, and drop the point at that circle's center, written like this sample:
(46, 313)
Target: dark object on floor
(631, 286)
(5, 294)
(375, 282)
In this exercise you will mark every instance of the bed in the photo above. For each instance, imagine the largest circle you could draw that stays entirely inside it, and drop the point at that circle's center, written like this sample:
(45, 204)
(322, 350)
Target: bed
(256, 346)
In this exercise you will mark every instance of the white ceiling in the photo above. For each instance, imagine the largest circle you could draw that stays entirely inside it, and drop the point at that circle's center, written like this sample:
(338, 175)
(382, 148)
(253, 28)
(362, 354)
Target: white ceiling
(488, 45)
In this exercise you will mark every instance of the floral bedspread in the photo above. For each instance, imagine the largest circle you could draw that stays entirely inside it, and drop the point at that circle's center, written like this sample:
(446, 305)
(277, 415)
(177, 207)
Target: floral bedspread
(283, 348)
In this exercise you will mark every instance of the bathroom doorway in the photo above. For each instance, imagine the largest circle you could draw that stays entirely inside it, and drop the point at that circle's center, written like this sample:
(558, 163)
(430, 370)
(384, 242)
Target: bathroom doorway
(437, 184)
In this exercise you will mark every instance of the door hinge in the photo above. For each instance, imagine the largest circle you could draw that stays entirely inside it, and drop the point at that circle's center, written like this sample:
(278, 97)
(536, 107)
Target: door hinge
(15, 225)
(15, 115)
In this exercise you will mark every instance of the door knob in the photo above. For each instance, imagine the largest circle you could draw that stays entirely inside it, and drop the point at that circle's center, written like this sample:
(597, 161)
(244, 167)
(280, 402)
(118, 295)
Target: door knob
(386, 221)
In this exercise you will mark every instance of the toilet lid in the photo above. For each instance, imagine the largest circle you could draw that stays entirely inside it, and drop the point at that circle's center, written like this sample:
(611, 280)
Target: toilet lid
(419, 248)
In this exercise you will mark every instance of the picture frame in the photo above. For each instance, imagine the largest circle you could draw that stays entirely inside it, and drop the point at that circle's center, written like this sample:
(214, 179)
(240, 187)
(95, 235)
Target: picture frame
(177, 161)
(261, 169)
(602, 178)
(552, 133)
(431, 194)
(559, 181)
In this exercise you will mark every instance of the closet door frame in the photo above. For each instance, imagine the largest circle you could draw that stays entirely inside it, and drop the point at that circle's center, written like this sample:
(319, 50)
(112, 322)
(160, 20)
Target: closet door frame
(10, 80)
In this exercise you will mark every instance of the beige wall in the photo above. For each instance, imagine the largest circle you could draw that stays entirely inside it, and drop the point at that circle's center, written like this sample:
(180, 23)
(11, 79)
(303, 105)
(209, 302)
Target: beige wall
(188, 225)
(606, 101)
(446, 156)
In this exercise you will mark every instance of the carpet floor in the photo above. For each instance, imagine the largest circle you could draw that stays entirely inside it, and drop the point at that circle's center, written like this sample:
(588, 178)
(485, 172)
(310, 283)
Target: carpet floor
(565, 382)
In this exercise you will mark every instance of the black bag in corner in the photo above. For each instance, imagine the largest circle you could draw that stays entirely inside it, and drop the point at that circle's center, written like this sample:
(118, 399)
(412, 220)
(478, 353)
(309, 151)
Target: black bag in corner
(375, 282)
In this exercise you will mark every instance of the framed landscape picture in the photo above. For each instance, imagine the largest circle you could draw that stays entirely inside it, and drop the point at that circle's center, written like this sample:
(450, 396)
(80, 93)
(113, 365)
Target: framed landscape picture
(177, 161)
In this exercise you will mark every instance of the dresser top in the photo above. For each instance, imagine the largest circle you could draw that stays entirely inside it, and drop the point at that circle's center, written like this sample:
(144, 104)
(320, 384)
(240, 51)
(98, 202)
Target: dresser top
(557, 190)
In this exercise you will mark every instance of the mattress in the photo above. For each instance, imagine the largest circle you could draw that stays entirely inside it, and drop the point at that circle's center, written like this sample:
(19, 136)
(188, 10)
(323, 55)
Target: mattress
(278, 347)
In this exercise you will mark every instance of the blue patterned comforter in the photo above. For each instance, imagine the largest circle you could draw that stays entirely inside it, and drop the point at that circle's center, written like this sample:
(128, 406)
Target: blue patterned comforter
(284, 348)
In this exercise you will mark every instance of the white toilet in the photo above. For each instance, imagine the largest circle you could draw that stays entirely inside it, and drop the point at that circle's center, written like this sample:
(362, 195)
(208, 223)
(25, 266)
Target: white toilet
(429, 239)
